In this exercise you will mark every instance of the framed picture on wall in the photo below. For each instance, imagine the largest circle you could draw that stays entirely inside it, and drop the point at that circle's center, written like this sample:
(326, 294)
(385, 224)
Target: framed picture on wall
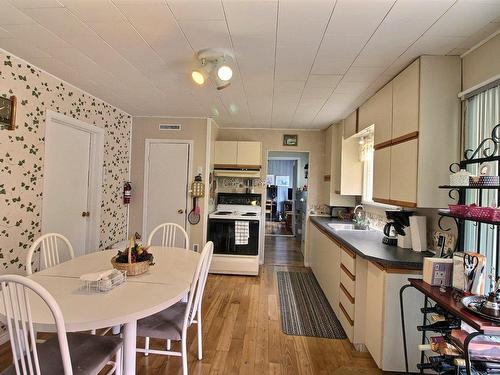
(290, 140)
(283, 181)
(270, 179)
(8, 112)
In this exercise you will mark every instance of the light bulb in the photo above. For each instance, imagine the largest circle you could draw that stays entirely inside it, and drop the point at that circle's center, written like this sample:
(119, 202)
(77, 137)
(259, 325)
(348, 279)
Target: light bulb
(224, 73)
(198, 77)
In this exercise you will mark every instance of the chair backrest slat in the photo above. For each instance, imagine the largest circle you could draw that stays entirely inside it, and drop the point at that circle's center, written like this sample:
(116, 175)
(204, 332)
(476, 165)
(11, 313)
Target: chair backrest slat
(17, 307)
(198, 284)
(49, 251)
(169, 235)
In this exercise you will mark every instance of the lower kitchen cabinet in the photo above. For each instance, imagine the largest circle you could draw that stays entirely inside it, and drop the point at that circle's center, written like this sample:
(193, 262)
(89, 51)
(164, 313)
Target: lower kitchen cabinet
(365, 297)
(383, 337)
(324, 260)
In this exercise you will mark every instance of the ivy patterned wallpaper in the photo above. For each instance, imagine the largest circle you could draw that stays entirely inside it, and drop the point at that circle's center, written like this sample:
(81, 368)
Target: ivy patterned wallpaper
(22, 152)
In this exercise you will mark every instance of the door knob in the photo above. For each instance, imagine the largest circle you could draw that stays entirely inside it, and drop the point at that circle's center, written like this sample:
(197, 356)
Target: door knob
(85, 214)
(180, 211)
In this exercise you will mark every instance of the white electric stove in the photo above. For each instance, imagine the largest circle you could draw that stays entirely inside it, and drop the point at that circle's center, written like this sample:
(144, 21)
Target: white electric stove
(235, 230)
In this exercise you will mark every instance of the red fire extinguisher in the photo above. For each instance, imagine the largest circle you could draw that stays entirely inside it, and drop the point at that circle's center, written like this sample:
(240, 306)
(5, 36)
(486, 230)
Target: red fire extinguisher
(127, 192)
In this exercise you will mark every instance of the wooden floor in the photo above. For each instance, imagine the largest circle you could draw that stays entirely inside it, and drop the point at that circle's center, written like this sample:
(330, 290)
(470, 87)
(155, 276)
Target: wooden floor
(242, 330)
(277, 228)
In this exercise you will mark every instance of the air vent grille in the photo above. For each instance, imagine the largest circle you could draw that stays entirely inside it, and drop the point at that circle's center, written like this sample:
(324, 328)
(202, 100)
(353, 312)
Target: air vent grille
(170, 127)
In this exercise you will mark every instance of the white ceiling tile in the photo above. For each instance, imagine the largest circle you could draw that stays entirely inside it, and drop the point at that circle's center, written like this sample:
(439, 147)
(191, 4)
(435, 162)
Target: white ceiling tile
(351, 88)
(362, 74)
(358, 18)
(465, 18)
(433, 45)
(94, 10)
(125, 39)
(337, 53)
(23, 49)
(36, 34)
(323, 80)
(158, 27)
(197, 10)
(206, 34)
(10, 15)
(293, 62)
(255, 18)
(303, 21)
(34, 4)
(5, 34)
(60, 21)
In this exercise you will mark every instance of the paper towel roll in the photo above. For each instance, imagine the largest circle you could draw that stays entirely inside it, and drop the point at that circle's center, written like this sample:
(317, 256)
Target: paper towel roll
(418, 229)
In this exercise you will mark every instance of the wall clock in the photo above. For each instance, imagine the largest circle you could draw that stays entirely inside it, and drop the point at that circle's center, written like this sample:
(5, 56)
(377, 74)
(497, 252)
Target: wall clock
(8, 113)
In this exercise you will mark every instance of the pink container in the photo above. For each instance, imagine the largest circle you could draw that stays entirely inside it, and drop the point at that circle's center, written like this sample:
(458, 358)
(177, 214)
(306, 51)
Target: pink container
(484, 213)
(458, 209)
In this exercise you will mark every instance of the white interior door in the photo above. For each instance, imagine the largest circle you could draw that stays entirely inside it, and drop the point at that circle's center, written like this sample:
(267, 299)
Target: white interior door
(66, 184)
(166, 185)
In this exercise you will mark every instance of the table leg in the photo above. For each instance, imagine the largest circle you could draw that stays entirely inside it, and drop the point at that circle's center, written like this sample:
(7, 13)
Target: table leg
(129, 346)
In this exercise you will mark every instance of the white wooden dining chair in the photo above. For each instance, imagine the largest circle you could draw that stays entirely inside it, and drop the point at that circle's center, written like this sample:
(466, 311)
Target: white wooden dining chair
(169, 235)
(50, 255)
(172, 323)
(79, 353)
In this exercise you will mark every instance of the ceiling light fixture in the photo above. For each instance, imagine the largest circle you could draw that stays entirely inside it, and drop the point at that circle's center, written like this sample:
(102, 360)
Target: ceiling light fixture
(224, 72)
(217, 60)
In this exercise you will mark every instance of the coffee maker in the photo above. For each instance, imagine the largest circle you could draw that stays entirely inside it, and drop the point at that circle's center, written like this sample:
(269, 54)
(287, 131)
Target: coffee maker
(397, 229)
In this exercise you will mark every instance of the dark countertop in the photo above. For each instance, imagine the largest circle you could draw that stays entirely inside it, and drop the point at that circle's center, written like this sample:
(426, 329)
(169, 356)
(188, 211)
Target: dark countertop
(368, 244)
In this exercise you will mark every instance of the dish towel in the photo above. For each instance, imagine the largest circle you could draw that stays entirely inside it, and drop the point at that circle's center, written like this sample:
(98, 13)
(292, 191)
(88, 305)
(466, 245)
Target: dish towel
(241, 232)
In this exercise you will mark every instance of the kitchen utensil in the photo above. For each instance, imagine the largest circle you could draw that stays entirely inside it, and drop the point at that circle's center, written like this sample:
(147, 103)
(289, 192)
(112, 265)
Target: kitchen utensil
(194, 215)
(470, 265)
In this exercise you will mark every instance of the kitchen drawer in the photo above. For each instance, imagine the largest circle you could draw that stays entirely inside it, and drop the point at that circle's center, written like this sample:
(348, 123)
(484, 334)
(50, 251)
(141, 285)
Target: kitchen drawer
(348, 283)
(347, 304)
(346, 322)
(348, 259)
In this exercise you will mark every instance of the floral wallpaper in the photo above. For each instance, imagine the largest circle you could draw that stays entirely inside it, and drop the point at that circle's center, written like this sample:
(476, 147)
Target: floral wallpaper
(22, 152)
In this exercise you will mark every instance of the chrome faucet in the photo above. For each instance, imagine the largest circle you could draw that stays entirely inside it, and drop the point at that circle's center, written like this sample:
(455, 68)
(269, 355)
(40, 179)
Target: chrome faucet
(360, 216)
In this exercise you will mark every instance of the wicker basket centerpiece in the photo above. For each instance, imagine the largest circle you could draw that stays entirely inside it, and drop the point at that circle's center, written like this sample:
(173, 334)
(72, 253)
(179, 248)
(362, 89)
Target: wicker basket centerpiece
(134, 260)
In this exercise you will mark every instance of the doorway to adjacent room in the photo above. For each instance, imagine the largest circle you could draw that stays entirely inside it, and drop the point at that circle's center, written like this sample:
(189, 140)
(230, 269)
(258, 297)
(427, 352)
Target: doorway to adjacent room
(286, 193)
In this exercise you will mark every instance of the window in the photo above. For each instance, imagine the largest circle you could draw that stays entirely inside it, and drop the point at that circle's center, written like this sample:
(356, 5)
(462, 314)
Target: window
(481, 116)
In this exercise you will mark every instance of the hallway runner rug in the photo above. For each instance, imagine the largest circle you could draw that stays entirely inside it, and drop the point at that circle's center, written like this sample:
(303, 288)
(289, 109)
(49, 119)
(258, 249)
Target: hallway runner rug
(305, 311)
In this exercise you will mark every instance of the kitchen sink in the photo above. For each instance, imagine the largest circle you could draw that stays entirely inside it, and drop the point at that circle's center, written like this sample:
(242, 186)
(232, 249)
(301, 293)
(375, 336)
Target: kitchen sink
(340, 226)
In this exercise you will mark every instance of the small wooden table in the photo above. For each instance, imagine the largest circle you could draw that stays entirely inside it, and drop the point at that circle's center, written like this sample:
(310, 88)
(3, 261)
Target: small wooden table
(166, 283)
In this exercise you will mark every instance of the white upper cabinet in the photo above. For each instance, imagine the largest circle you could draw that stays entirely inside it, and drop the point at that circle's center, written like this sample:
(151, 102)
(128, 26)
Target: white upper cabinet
(238, 153)
(249, 153)
(332, 195)
(378, 111)
(405, 100)
(226, 152)
(425, 135)
(351, 124)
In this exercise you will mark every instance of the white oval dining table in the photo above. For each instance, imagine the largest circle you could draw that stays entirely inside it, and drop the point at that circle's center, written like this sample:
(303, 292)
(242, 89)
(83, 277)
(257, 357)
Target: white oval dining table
(166, 283)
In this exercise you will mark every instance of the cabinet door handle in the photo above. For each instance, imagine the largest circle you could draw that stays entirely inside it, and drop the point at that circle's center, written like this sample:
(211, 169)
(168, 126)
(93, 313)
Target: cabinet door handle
(180, 211)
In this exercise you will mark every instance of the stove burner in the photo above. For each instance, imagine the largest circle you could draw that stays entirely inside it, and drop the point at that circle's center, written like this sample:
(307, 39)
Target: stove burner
(249, 214)
(223, 213)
